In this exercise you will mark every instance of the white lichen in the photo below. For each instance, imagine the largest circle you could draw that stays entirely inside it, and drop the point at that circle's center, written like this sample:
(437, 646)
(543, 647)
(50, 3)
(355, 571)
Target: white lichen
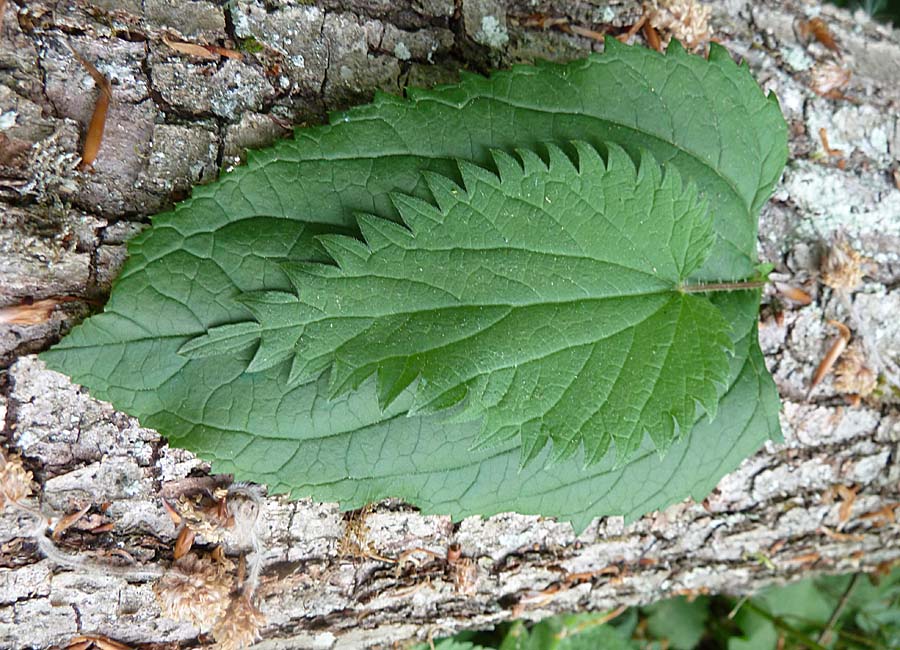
(402, 52)
(492, 33)
(796, 58)
(7, 120)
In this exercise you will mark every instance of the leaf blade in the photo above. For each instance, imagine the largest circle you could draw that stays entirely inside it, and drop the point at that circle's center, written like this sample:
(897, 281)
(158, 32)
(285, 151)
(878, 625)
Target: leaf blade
(237, 233)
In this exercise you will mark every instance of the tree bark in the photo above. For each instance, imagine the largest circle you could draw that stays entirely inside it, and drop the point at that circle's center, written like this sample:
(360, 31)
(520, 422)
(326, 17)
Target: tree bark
(823, 501)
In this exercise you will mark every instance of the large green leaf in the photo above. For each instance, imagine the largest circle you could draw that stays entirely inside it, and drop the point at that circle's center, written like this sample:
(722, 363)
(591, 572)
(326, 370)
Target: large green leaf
(531, 297)
(187, 275)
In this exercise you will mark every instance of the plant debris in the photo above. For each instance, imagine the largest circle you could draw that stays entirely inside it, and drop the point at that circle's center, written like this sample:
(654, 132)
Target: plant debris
(89, 641)
(829, 80)
(183, 542)
(834, 352)
(852, 375)
(204, 515)
(652, 37)
(543, 21)
(239, 626)
(15, 480)
(66, 522)
(194, 590)
(98, 120)
(848, 498)
(463, 571)
(30, 312)
(794, 294)
(355, 543)
(191, 49)
(816, 28)
(685, 20)
(842, 267)
(226, 52)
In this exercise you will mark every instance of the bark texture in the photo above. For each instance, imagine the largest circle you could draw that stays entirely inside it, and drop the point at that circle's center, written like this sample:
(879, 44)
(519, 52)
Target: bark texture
(823, 500)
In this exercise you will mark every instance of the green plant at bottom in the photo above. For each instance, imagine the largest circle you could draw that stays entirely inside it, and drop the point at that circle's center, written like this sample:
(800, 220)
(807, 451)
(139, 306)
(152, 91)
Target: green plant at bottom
(846, 612)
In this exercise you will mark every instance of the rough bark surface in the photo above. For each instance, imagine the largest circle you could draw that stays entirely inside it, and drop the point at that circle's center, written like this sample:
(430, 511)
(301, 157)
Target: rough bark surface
(822, 501)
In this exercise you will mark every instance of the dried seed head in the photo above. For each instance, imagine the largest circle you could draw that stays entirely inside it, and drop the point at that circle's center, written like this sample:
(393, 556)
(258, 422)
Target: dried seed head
(354, 542)
(852, 375)
(194, 590)
(686, 20)
(239, 626)
(210, 520)
(15, 481)
(465, 576)
(829, 79)
(842, 267)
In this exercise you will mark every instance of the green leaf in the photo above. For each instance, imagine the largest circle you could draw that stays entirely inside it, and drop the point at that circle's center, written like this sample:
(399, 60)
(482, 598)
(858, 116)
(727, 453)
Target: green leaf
(546, 299)
(567, 632)
(195, 273)
(759, 632)
(679, 620)
(450, 644)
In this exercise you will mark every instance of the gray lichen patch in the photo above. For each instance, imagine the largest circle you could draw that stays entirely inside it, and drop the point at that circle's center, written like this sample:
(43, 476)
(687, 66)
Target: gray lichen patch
(43, 260)
(68, 430)
(39, 260)
(811, 425)
(22, 119)
(58, 621)
(116, 478)
(181, 157)
(294, 33)
(878, 310)
(485, 23)
(421, 45)
(869, 57)
(353, 72)
(22, 585)
(864, 128)
(195, 19)
(19, 64)
(864, 206)
(226, 91)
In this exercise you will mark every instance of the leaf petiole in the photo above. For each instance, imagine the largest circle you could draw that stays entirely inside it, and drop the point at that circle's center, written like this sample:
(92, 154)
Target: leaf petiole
(721, 286)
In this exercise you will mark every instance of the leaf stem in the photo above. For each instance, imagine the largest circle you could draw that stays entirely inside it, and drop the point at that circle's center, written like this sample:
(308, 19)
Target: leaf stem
(825, 636)
(721, 286)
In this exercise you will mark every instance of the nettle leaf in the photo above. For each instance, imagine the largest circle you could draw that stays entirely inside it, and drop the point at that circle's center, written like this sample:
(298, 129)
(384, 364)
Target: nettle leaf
(462, 298)
(548, 300)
